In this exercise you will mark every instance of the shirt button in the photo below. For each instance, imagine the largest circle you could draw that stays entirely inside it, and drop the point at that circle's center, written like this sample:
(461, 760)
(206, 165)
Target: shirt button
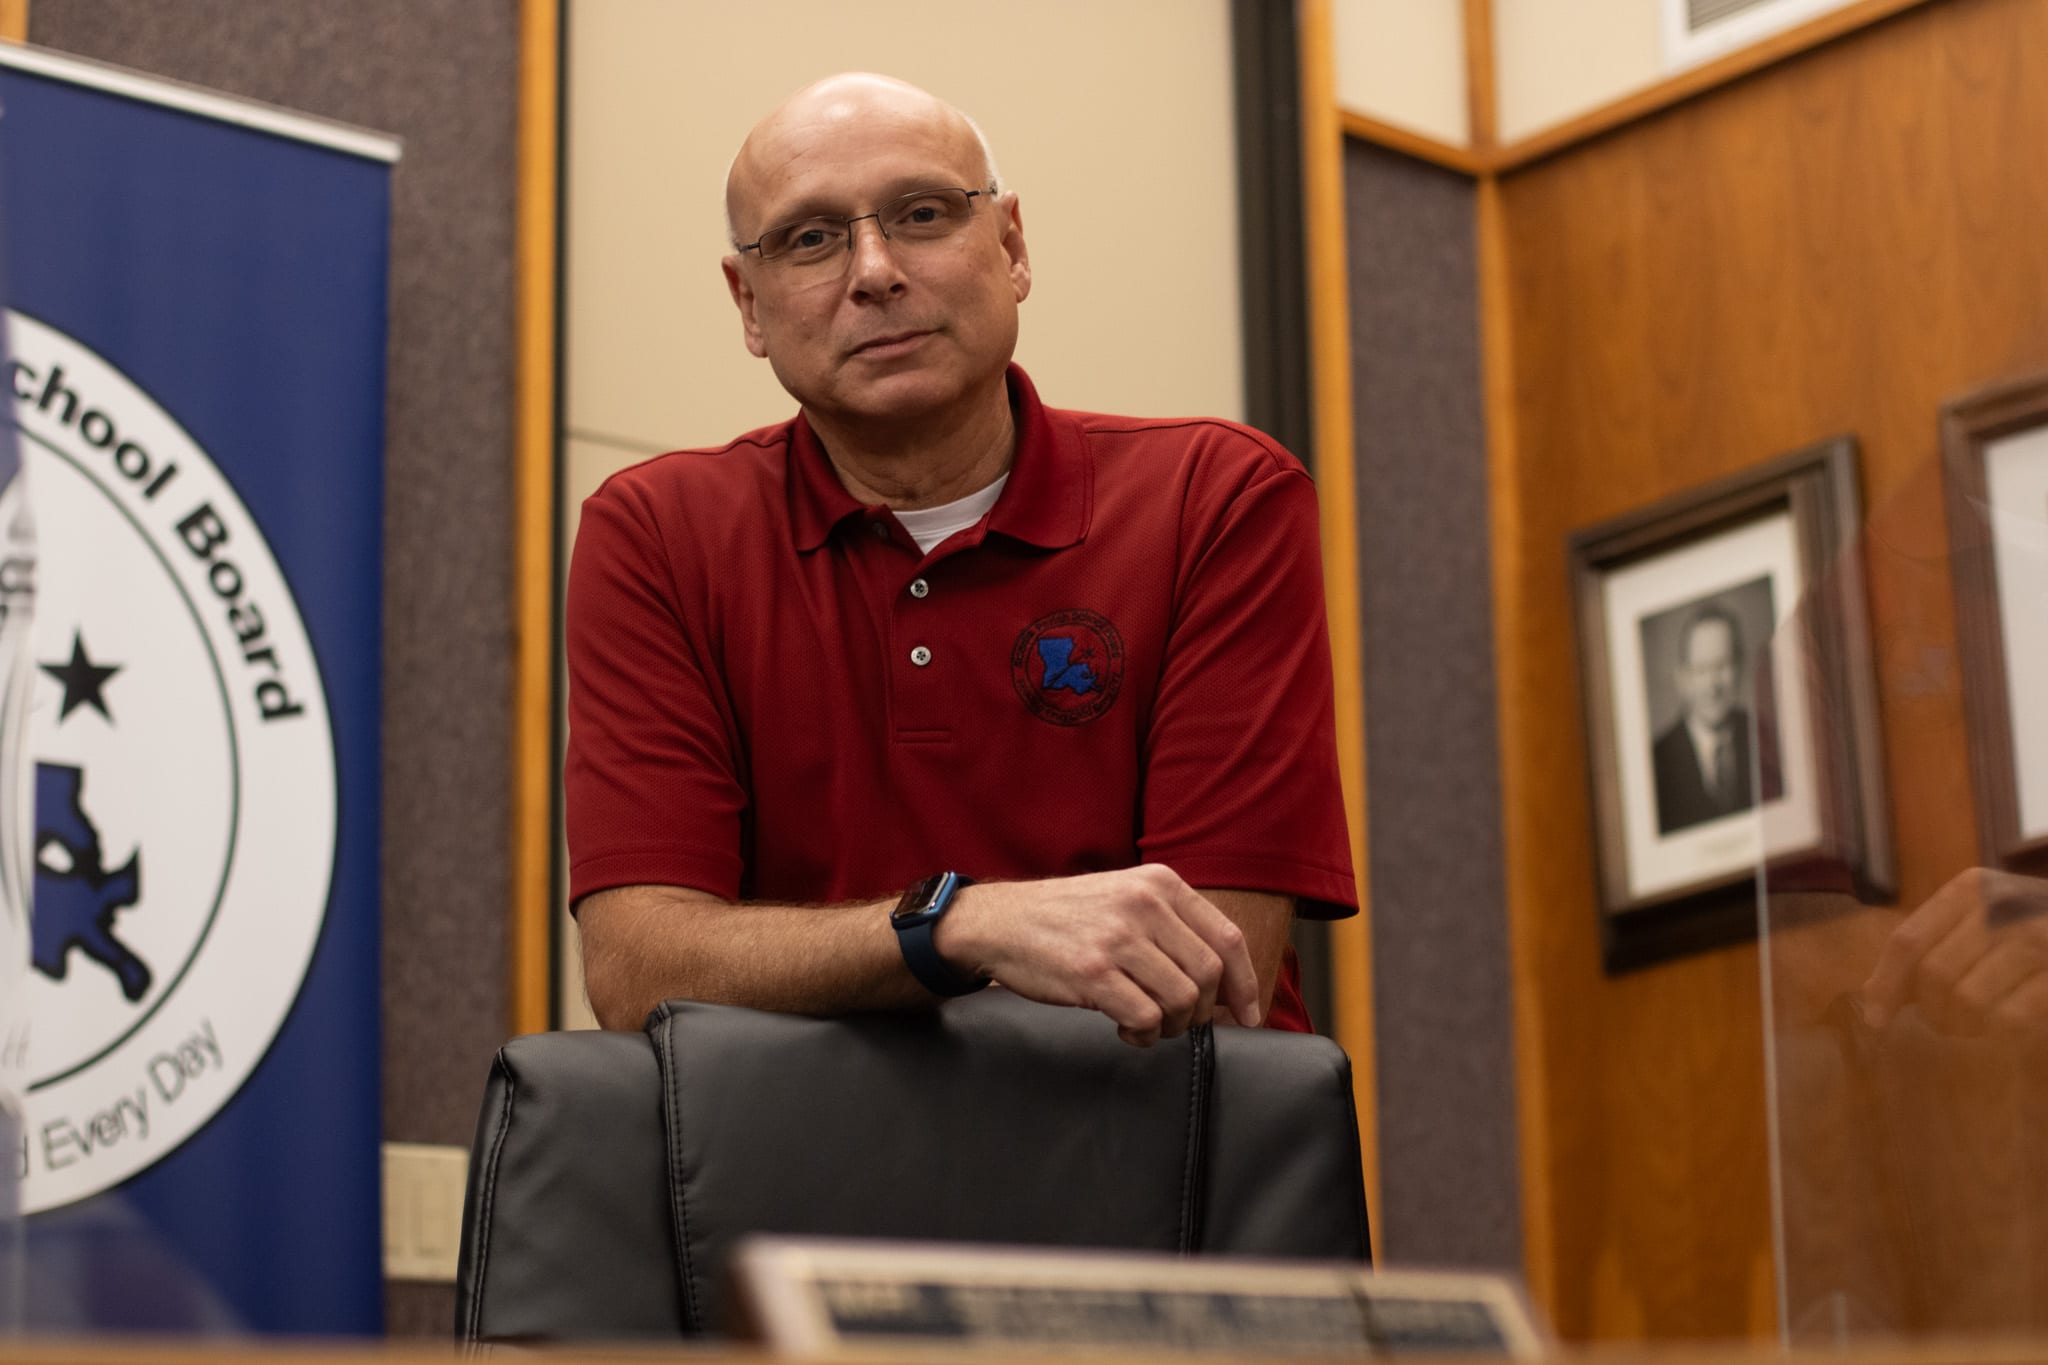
(920, 656)
(920, 588)
(881, 529)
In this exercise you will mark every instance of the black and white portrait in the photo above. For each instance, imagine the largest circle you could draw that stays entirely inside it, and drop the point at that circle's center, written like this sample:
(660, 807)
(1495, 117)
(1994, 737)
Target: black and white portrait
(1725, 670)
(1700, 743)
(1701, 683)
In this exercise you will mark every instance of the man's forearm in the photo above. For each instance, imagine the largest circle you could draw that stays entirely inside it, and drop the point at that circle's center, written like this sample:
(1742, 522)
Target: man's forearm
(646, 944)
(1265, 919)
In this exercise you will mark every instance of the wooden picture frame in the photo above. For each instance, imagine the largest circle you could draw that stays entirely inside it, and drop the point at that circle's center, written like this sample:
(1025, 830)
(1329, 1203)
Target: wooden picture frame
(1995, 470)
(1730, 704)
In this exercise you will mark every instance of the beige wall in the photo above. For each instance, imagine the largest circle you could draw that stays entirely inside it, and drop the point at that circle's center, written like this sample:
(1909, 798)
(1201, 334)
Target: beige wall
(1555, 61)
(1403, 62)
(1113, 122)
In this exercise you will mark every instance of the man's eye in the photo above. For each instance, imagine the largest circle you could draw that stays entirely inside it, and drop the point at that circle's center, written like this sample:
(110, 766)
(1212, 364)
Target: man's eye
(925, 215)
(811, 239)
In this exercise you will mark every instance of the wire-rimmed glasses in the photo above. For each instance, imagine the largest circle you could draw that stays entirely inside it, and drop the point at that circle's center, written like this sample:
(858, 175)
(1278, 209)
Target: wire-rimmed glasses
(824, 240)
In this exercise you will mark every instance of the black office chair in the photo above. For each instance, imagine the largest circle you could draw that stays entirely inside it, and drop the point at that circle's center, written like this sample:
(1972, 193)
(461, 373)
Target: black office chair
(613, 1173)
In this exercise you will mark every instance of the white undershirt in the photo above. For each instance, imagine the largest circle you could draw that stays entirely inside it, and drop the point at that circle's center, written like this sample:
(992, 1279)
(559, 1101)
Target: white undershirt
(930, 525)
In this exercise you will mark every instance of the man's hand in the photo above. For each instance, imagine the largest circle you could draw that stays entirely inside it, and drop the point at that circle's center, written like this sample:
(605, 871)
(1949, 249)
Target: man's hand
(1138, 944)
(1974, 958)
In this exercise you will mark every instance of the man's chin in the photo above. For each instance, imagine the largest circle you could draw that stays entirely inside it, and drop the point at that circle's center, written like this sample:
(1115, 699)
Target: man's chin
(904, 395)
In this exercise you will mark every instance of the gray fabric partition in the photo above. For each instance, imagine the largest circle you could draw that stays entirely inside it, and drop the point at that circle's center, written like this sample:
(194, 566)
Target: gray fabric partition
(442, 75)
(1448, 1177)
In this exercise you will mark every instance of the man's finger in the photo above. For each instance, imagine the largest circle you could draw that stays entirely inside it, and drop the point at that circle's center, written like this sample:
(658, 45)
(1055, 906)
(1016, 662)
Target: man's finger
(1892, 980)
(1239, 988)
(2007, 964)
(1937, 981)
(1191, 957)
(2025, 1008)
(1179, 994)
(1136, 1014)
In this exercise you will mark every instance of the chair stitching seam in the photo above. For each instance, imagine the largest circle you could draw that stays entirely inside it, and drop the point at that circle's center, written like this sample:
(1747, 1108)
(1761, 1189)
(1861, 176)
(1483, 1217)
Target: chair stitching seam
(1191, 1160)
(476, 1304)
(1340, 1073)
(678, 1206)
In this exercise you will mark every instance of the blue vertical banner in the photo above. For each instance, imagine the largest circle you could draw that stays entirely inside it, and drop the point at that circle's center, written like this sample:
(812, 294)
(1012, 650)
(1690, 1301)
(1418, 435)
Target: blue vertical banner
(196, 318)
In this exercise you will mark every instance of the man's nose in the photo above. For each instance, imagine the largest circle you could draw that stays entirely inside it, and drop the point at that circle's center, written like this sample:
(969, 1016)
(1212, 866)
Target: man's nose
(873, 269)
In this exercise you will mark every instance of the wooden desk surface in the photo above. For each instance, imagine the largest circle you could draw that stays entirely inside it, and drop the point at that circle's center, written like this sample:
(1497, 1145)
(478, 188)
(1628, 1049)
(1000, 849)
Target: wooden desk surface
(232, 1352)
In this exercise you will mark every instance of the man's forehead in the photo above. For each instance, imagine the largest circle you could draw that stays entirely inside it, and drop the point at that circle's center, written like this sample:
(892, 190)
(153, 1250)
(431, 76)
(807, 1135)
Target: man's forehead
(852, 134)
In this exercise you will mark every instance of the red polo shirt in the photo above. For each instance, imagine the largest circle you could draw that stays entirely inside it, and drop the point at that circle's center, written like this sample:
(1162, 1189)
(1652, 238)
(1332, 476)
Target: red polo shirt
(774, 696)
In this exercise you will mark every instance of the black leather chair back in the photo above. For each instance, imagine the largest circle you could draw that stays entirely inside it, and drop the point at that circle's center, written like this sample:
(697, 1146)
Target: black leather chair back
(565, 1227)
(613, 1173)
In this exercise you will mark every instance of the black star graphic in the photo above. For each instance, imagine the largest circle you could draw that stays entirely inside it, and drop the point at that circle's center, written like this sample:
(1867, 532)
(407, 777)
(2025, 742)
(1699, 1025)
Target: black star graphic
(84, 681)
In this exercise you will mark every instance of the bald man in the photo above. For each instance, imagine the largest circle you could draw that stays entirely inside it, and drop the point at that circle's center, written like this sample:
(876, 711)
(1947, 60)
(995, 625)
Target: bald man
(932, 685)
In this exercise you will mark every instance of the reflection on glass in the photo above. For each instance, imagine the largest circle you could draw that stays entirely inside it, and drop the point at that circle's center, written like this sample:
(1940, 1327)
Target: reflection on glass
(1908, 1039)
(102, 1266)
(17, 834)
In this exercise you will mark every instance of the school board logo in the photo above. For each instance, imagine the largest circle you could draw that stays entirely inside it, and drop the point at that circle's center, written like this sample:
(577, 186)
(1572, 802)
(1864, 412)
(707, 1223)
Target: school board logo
(1069, 666)
(183, 780)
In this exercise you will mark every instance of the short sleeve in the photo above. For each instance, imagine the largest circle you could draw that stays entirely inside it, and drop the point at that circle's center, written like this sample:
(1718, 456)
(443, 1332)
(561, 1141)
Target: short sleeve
(652, 788)
(1241, 785)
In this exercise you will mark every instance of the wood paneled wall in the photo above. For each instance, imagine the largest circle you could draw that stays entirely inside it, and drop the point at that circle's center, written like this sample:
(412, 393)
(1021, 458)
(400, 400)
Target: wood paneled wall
(1837, 244)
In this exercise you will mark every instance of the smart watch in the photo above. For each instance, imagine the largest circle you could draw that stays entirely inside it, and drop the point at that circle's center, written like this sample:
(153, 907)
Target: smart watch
(914, 919)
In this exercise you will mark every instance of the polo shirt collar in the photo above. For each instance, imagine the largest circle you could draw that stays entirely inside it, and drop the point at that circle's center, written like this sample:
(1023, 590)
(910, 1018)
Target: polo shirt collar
(1046, 502)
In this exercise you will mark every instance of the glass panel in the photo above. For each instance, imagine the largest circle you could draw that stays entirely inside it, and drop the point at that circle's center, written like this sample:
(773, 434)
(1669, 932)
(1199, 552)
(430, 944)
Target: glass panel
(14, 960)
(100, 1266)
(13, 1258)
(17, 855)
(1908, 1060)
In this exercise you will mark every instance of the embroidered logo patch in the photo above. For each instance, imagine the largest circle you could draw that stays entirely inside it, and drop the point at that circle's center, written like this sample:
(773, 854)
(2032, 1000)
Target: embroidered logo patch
(1068, 666)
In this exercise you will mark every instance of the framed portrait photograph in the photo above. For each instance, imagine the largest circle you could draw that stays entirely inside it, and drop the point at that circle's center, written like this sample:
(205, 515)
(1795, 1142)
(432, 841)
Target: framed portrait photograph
(1730, 705)
(1995, 469)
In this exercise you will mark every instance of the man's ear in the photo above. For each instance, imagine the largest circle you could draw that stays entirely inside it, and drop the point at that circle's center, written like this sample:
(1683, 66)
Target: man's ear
(743, 299)
(1011, 224)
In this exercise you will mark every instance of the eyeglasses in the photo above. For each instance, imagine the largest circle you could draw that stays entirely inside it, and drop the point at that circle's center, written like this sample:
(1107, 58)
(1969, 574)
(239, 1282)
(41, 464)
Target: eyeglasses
(909, 220)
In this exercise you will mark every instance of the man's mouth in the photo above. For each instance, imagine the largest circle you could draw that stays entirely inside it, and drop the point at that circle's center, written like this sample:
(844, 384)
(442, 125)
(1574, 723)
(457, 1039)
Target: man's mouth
(890, 344)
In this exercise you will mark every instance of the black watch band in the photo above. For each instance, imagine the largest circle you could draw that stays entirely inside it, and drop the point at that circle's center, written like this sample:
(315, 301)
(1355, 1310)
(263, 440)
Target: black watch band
(914, 919)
